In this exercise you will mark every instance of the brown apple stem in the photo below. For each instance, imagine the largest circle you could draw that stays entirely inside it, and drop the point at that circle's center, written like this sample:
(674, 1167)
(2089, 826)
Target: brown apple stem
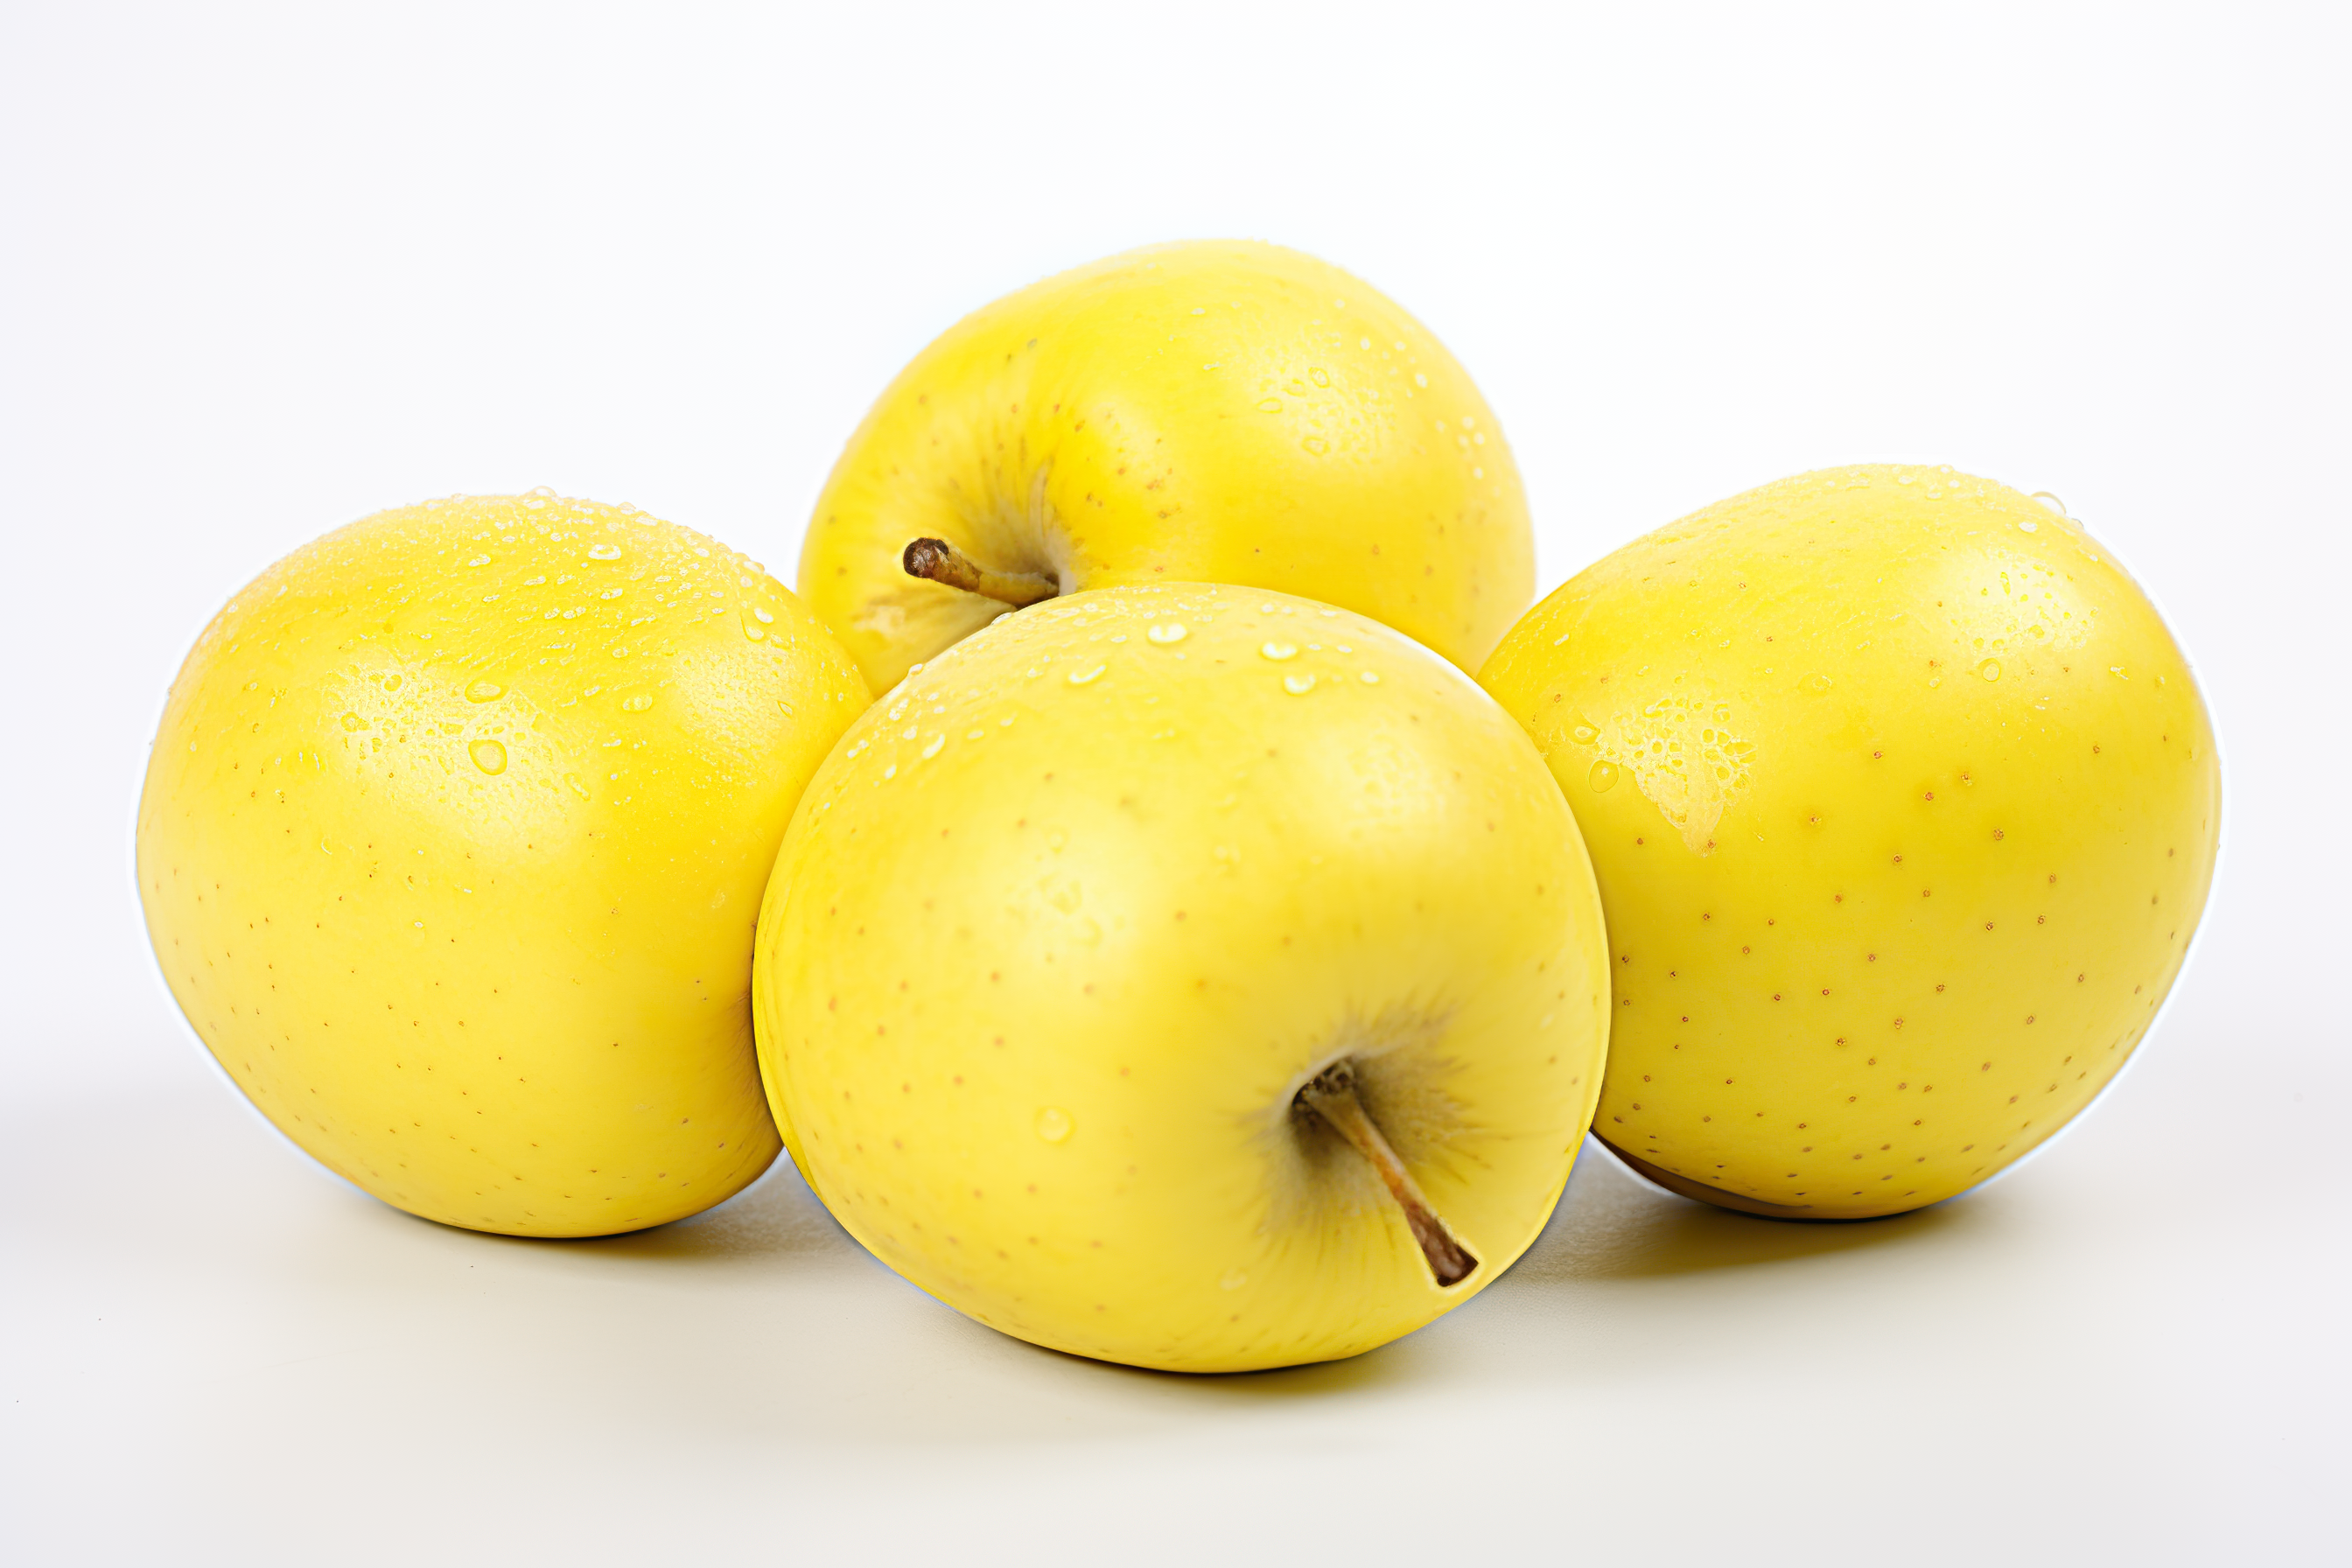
(1332, 1096)
(937, 561)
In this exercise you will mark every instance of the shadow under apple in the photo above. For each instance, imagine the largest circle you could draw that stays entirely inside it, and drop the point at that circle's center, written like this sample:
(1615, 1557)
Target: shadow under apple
(776, 1219)
(1612, 1225)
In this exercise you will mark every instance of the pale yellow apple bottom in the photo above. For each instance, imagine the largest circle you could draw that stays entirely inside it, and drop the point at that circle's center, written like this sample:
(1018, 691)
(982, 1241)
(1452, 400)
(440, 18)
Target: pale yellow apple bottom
(1904, 805)
(452, 843)
(1218, 411)
(1069, 919)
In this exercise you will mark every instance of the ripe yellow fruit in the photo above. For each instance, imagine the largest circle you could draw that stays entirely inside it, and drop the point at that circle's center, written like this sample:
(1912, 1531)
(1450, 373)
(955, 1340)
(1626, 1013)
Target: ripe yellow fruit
(1220, 411)
(1131, 972)
(452, 842)
(1904, 806)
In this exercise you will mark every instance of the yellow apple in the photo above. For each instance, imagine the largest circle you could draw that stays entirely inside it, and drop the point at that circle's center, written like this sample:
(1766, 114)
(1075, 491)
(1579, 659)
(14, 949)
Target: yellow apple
(452, 843)
(1220, 411)
(1903, 806)
(1187, 976)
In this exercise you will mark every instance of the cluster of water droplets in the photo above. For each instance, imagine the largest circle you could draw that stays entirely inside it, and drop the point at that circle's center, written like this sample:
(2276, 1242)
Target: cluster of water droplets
(1683, 754)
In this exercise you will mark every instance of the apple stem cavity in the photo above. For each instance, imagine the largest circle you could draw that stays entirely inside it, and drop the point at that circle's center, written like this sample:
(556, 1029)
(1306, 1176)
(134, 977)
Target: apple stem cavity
(1332, 1096)
(937, 561)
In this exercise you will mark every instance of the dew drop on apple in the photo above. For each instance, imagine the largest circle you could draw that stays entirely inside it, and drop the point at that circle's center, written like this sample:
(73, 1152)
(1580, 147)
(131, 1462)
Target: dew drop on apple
(1989, 669)
(1298, 685)
(603, 553)
(639, 702)
(1817, 684)
(1586, 734)
(488, 755)
(484, 691)
(1602, 778)
(1053, 1123)
(1080, 676)
(1163, 635)
(2051, 503)
(1278, 650)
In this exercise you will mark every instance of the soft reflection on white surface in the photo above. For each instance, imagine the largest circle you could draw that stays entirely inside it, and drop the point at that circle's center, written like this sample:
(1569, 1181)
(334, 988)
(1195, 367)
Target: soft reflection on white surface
(2110, 1353)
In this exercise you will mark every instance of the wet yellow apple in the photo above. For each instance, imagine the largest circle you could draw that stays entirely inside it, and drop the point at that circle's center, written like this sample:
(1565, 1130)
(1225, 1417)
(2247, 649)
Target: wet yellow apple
(1904, 806)
(1185, 976)
(452, 842)
(1220, 411)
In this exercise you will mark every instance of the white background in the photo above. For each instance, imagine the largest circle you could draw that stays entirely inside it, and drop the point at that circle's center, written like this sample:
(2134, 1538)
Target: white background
(262, 272)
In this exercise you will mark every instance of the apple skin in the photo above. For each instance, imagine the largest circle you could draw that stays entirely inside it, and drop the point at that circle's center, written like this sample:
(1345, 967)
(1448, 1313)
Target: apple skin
(452, 842)
(1068, 919)
(1218, 411)
(1904, 806)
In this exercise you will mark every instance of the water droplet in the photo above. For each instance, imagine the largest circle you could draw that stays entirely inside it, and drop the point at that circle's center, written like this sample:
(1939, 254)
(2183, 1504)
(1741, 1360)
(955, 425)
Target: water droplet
(933, 750)
(2050, 502)
(488, 755)
(479, 561)
(1164, 635)
(603, 553)
(760, 613)
(1817, 684)
(1298, 685)
(1602, 778)
(751, 629)
(2119, 672)
(1053, 1123)
(1586, 734)
(484, 691)
(891, 772)
(1370, 678)
(1315, 446)
(1318, 375)
(572, 782)
(352, 722)
(2027, 525)
(1278, 650)
(391, 683)
(1989, 669)
(1270, 406)
(637, 703)
(1080, 676)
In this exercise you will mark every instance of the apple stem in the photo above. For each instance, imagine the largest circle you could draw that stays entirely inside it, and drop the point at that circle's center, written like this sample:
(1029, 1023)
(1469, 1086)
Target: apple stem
(1332, 1096)
(937, 561)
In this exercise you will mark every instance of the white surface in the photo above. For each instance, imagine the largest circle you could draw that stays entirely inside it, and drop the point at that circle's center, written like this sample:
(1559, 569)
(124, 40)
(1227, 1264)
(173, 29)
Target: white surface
(263, 272)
